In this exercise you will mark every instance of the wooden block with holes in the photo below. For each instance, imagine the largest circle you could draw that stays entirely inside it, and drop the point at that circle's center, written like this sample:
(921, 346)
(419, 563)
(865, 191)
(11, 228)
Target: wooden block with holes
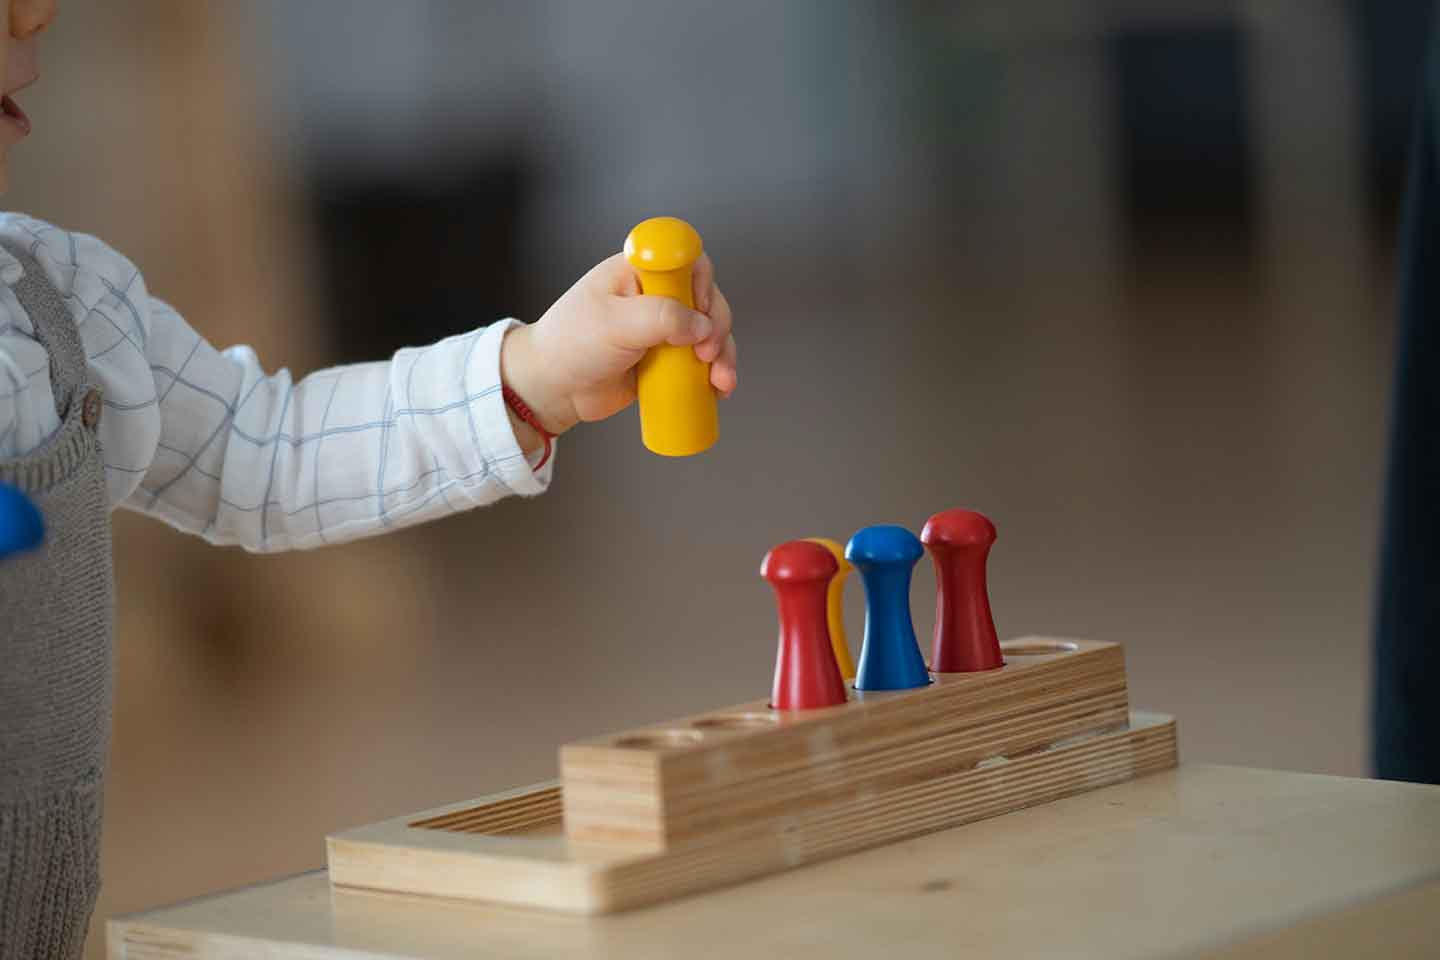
(648, 814)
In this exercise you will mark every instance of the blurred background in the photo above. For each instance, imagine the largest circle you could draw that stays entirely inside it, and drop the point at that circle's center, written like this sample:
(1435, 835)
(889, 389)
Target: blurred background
(1118, 274)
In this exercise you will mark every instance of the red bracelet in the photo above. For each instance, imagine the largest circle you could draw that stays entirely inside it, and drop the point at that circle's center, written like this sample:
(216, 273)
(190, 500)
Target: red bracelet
(523, 411)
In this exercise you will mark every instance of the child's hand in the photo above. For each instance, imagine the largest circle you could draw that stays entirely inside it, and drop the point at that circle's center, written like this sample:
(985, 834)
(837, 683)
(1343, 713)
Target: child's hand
(578, 361)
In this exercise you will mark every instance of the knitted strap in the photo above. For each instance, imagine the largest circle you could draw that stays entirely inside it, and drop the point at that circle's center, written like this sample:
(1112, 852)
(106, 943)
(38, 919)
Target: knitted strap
(54, 328)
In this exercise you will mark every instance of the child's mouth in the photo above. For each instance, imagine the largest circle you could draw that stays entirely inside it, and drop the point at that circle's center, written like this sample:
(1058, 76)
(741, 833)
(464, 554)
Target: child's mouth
(12, 112)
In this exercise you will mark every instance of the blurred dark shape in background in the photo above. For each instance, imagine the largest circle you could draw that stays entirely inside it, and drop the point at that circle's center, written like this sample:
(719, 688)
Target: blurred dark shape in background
(1186, 162)
(1117, 274)
(1390, 40)
(1406, 712)
(408, 260)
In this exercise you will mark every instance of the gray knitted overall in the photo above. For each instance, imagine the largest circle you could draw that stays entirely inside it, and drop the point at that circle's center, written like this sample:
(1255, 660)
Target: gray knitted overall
(56, 613)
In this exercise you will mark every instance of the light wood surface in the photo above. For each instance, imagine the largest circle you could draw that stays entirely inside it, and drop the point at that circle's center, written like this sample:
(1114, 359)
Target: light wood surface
(1398, 925)
(1198, 861)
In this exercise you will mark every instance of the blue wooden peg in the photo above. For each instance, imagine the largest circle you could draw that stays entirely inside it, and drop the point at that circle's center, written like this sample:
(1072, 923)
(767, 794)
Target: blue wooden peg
(890, 658)
(20, 525)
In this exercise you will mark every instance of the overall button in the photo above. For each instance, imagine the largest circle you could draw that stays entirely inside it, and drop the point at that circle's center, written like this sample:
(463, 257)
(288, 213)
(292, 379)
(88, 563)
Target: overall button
(90, 411)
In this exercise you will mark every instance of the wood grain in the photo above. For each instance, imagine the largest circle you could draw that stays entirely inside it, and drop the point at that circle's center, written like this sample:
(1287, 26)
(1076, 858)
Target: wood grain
(656, 812)
(540, 867)
(679, 781)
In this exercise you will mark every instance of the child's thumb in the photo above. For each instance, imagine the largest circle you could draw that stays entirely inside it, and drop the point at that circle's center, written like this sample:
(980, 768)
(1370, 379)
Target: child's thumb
(643, 322)
(614, 275)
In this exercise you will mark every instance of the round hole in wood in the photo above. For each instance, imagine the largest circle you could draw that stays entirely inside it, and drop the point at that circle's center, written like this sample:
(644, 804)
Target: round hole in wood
(660, 739)
(1038, 648)
(736, 721)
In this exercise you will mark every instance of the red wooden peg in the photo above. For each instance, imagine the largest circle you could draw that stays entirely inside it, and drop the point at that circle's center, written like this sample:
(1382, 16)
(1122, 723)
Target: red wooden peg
(806, 674)
(959, 542)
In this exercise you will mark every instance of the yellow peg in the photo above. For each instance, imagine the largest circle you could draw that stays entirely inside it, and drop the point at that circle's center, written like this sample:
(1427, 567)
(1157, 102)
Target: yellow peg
(678, 415)
(835, 608)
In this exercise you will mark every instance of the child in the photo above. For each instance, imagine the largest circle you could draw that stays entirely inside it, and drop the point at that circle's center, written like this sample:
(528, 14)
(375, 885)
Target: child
(108, 398)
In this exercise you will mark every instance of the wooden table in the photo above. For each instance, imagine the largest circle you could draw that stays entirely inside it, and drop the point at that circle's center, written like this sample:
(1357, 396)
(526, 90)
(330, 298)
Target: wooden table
(1199, 861)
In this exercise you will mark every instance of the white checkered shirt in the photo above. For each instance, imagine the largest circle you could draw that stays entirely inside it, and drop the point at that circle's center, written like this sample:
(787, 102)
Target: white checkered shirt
(207, 441)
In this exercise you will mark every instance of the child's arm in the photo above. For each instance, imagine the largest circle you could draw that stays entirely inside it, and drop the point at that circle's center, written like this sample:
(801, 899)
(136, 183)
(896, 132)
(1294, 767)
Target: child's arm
(255, 459)
(353, 451)
(208, 441)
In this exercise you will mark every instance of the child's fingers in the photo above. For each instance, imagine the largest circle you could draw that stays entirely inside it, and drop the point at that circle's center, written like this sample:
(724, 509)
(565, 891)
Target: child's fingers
(639, 323)
(703, 283)
(709, 348)
(615, 276)
(723, 373)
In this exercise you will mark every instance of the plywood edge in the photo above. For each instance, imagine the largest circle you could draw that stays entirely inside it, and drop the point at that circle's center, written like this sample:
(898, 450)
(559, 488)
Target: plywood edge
(397, 855)
(947, 685)
(131, 940)
(706, 774)
(384, 828)
(407, 863)
(999, 786)
(551, 872)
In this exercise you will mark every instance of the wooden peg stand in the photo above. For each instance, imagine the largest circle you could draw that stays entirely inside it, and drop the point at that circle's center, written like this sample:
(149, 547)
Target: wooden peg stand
(653, 813)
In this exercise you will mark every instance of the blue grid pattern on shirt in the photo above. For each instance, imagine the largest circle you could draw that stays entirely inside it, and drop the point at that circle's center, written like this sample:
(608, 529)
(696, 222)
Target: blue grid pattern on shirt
(379, 493)
(435, 481)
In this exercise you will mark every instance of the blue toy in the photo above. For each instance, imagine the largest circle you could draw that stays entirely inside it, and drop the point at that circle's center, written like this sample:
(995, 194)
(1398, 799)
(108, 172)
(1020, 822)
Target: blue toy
(890, 658)
(20, 525)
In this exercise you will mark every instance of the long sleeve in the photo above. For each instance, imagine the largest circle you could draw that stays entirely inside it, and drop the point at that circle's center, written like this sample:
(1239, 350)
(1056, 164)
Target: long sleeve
(209, 442)
(257, 460)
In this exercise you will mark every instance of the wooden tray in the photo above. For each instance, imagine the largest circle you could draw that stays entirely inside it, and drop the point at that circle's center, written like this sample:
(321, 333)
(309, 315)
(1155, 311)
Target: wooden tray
(722, 796)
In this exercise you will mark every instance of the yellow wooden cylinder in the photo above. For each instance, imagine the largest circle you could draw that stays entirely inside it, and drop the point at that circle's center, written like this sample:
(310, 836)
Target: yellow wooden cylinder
(835, 608)
(678, 413)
